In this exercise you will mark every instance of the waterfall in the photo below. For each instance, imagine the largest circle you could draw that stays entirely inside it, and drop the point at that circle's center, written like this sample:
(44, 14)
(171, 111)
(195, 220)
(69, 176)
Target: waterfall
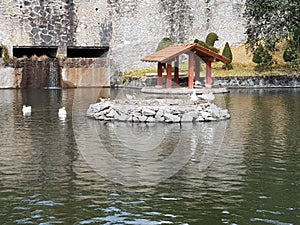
(53, 76)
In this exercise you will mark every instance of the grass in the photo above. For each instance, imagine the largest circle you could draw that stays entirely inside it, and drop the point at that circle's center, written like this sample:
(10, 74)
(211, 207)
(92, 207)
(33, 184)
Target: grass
(250, 70)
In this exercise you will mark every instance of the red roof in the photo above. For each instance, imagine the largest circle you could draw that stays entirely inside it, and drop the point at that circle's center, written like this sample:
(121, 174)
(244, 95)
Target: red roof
(171, 52)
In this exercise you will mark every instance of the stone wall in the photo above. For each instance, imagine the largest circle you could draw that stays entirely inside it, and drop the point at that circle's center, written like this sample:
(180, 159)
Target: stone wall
(138, 26)
(131, 28)
(258, 81)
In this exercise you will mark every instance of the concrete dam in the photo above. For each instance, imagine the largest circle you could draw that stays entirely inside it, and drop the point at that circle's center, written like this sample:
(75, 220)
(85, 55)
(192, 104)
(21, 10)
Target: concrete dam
(86, 43)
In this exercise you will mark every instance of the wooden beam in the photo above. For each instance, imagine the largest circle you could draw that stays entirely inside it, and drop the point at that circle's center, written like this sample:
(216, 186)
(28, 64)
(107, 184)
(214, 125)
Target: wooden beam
(197, 68)
(208, 74)
(191, 70)
(159, 73)
(169, 75)
(176, 71)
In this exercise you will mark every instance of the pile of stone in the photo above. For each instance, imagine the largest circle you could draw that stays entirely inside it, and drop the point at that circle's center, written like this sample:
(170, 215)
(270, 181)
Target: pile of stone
(157, 110)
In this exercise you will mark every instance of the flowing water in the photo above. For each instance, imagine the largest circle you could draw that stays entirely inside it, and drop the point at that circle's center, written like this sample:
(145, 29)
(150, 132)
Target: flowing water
(79, 171)
(53, 75)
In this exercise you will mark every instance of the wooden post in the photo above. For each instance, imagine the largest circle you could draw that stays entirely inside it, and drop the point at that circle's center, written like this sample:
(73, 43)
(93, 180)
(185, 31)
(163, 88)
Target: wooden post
(169, 74)
(208, 74)
(197, 68)
(191, 70)
(159, 73)
(176, 71)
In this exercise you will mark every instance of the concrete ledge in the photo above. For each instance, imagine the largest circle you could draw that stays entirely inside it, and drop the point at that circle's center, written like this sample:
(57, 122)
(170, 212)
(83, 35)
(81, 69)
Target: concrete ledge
(181, 91)
(154, 75)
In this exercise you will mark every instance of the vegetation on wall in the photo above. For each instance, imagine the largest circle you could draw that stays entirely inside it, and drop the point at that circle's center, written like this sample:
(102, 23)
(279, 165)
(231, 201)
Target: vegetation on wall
(5, 56)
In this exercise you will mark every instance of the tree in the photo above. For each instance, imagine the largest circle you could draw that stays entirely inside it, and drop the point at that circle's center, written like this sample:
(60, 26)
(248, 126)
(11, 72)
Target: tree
(262, 57)
(165, 42)
(271, 21)
(227, 53)
(292, 51)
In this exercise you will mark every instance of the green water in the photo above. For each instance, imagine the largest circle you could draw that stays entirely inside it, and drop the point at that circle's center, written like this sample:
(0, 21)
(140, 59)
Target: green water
(252, 177)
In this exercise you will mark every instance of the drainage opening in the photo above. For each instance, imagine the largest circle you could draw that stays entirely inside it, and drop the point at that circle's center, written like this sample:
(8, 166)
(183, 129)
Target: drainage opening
(20, 51)
(87, 52)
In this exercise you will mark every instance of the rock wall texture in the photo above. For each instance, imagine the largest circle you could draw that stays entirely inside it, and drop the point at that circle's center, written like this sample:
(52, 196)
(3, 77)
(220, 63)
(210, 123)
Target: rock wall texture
(131, 28)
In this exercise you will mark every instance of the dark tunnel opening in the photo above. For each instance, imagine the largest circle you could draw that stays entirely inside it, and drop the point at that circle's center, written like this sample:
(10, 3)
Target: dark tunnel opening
(87, 52)
(29, 51)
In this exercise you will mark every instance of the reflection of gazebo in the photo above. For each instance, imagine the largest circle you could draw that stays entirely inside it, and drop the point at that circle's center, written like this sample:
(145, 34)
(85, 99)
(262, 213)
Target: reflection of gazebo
(171, 54)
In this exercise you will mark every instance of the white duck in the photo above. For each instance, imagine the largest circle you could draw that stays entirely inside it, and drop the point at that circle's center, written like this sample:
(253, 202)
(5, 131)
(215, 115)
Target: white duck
(197, 83)
(26, 110)
(62, 113)
(194, 97)
(208, 96)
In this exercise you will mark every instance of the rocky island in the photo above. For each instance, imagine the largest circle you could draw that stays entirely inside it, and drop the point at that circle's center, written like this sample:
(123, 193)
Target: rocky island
(157, 110)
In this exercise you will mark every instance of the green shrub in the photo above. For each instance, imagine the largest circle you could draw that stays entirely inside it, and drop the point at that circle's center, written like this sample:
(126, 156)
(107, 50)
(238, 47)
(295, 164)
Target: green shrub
(202, 43)
(262, 57)
(165, 42)
(290, 53)
(211, 38)
(227, 53)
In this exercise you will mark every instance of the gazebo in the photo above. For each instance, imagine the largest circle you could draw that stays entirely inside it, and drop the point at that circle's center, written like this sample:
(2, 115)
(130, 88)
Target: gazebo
(170, 55)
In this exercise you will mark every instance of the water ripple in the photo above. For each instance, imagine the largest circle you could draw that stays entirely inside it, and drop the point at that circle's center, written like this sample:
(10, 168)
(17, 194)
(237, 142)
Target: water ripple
(275, 222)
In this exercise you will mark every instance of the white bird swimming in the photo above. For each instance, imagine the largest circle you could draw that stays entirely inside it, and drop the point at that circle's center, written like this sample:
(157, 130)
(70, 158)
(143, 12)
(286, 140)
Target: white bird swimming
(208, 96)
(26, 110)
(62, 113)
(194, 97)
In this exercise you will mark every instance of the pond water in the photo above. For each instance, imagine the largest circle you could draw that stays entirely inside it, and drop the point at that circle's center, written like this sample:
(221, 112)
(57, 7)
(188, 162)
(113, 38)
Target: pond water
(81, 171)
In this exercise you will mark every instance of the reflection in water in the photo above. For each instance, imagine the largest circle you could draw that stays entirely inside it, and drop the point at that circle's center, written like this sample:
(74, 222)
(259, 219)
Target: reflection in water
(141, 154)
(249, 175)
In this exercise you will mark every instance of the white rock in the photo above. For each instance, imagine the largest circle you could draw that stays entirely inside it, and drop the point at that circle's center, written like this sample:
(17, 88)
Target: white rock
(112, 113)
(170, 118)
(148, 112)
(205, 115)
(189, 116)
(142, 118)
(150, 120)
(121, 117)
(135, 119)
